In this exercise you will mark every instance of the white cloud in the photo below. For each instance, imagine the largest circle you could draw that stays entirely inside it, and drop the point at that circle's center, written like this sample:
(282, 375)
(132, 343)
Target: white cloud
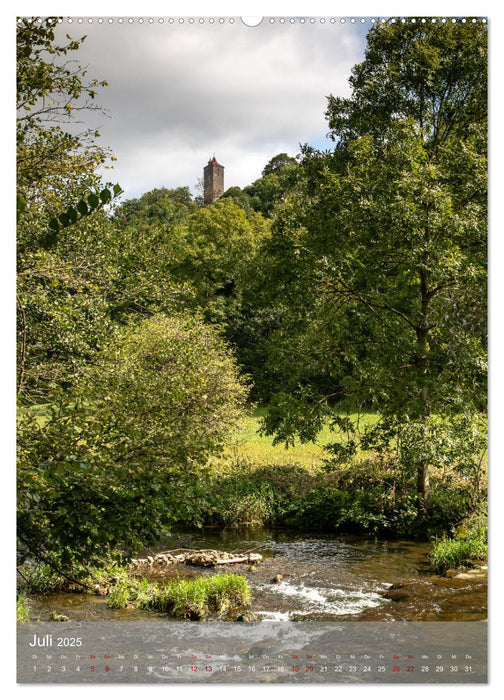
(180, 93)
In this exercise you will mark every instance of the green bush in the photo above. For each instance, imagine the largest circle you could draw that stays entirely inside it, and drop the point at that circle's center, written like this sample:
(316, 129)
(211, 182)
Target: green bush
(450, 554)
(242, 500)
(451, 503)
(119, 596)
(122, 457)
(329, 508)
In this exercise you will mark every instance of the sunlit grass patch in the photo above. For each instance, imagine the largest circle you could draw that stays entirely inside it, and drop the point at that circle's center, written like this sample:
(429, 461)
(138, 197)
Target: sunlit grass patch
(249, 444)
(451, 554)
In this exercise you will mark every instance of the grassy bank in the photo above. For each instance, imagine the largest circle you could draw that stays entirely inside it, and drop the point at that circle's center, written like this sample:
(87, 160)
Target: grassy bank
(255, 482)
(258, 483)
(468, 546)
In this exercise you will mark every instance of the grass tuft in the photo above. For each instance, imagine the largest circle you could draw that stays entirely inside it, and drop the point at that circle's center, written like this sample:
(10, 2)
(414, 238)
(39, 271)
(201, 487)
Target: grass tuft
(189, 599)
(195, 599)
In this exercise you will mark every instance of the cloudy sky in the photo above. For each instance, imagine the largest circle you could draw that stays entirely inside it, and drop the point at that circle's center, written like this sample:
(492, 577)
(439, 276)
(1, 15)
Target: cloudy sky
(180, 92)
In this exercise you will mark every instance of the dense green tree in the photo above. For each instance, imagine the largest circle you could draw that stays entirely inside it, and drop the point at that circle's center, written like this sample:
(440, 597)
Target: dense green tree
(161, 205)
(278, 177)
(218, 244)
(277, 163)
(55, 165)
(239, 197)
(143, 282)
(382, 249)
(432, 73)
(120, 456)
(63, 267)
(63, 307)
(148, 244)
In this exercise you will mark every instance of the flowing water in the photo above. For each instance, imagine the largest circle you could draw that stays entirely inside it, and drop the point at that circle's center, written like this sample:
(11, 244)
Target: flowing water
(307, 576)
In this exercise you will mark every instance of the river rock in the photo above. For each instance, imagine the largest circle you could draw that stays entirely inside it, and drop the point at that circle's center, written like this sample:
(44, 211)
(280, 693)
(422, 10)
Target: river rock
(248, 616)
(397, 592)
(451, 573)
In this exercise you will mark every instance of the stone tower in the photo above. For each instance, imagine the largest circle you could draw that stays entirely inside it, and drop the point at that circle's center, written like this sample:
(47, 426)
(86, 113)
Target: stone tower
(213, 181)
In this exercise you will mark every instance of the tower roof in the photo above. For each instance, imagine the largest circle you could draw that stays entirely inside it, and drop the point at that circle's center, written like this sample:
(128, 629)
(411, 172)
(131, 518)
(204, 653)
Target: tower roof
(213, 161)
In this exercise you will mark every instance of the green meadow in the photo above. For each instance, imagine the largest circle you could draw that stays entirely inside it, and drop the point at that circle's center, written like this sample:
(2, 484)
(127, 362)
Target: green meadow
(249, 444)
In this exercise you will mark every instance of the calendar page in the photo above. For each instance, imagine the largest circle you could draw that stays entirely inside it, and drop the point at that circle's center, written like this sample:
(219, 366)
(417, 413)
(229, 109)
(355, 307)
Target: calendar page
(251, 349)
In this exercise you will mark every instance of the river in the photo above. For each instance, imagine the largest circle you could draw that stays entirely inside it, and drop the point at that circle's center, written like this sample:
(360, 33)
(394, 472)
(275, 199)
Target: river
(307, 576)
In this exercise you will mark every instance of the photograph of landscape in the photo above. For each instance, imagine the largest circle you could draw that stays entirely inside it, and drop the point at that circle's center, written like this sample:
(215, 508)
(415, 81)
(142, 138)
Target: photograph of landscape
(251, 324)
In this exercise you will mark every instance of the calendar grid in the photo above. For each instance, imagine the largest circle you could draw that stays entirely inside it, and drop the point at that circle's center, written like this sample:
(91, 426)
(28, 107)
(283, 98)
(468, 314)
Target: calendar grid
(171, 652)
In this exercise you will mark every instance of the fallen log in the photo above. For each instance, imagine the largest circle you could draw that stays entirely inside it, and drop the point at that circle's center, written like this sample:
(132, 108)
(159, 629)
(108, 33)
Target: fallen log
(248, 558)
(210, 561)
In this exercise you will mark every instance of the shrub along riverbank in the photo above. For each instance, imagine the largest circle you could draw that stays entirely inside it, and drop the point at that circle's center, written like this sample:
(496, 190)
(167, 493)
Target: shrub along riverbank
(369, 497)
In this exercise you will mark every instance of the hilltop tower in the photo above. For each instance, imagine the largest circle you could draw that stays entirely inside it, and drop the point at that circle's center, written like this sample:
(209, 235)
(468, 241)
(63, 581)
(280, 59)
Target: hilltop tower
(213, 181)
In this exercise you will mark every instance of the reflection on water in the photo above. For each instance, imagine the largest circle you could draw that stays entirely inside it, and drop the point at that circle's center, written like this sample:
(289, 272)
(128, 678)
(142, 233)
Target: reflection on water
(321, 577)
